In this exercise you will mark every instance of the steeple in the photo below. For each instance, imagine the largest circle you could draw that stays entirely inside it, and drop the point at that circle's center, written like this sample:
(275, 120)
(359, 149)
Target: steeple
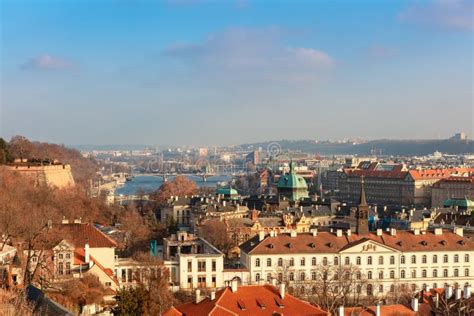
(362, 199)
(362, 214)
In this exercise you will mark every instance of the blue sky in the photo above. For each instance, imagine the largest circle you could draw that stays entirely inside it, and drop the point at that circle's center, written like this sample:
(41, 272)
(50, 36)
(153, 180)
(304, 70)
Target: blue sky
(227, 72)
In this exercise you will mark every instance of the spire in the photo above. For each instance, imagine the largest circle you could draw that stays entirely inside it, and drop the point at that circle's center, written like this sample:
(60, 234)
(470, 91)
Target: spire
(362, 199)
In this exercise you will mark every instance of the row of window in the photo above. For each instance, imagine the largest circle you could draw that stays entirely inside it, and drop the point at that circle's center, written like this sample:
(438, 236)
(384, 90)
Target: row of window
(424, 274)
(424, 259)
(61, 268)
(202, 266)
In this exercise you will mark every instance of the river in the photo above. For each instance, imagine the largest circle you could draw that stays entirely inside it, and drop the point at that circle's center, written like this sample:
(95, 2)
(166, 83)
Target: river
(151, 183)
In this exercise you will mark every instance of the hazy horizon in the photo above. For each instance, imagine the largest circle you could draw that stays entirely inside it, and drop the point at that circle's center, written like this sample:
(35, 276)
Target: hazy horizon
(205, 73)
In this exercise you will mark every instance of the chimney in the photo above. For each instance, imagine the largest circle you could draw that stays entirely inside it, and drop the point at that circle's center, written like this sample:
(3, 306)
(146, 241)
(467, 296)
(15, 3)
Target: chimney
(467, 292)
(416, 231)
(282, 290)
(437, 300)
(261, 235)
(414, 304)
(223, 203)
(64, 221)
(293, 233)
(457, 293)
(379, 232)
(233, 286)
(438, 231)
(377, 309)
(213, 295)
(393, 232)
(315, 232)
(198, 296)
(274, 282)
(78, 220)
(340, 311)
(87, 253)
(348, 232)
(459, 231)
(448, 290)
(339, 233)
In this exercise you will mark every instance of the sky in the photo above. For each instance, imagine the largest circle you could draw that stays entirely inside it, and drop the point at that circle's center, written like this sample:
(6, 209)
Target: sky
(198, 72)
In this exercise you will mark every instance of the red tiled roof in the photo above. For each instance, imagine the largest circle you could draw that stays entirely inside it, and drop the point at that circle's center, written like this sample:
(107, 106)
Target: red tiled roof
(256, 299)
(80, 234)
(395, 174)
(172, 312)
(456, 179)
(79, 256)
(326, 242)
(425, 174)
(385, 310)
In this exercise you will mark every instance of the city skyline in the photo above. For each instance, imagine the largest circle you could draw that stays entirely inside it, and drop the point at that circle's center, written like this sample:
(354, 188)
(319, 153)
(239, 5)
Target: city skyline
(203, 73)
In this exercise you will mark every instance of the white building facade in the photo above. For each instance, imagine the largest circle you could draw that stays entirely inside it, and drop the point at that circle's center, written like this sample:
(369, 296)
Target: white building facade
(385, 260)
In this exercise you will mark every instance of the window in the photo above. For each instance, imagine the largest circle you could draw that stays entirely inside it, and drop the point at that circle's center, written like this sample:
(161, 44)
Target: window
(435, 273)
(456, 272)
(369, 275)
(313, 261)
(358, 261)
(201, 281)
(257, 277)
(68, 256)
(392, 259)
(292, 276)
(302, 261)
(392, 288)
(302, 276)
(68, 268)
(445, 273)
(435, 259)
(190, 266)
(423, 273)
(456, 258)
(466, 258)
(190, 281)
(202, 266)
(60, 268)
(466, 272)
(214, 267)
(369, 260)
(60, 256)
(402, 259)
(413, 259)
(359, 288)
(257, 262)
(269, 262)
(280, 262)
(380, 260)
(213, 281)
(359, 275)
(413, 274)
(348, 261)
(325, 261)
(33, 259)
(269, 277)
(280, 277)
(381, 275)
(445, 259)
(402, 274)
(313, 276)
(336, 261)
(392, 274)
(108, 284)
(380, 288)
(413, 287)
(423, 259)
(369, 289)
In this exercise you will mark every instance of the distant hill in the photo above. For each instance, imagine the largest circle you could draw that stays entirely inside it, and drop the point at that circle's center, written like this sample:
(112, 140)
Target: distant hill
(383, 146)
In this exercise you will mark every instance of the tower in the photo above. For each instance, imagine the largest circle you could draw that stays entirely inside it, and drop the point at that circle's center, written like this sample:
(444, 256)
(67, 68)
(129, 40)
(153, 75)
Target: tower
(362, 214)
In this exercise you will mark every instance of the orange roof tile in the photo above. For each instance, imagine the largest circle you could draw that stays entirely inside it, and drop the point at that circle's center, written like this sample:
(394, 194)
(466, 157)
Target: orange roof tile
(257, 299)
(80, 234)
(385, 310)
(326, 242)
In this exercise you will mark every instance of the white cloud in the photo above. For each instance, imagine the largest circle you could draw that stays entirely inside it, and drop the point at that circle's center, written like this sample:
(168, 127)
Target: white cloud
(47, 62)
(446, 14)
(252, 54)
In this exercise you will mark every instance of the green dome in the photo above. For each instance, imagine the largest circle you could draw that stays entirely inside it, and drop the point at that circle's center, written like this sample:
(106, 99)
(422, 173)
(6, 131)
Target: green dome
(292, 180)
(464, 203)
(227, 191)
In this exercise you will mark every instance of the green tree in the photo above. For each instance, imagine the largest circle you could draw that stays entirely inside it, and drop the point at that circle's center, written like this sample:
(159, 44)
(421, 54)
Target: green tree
(130, 301)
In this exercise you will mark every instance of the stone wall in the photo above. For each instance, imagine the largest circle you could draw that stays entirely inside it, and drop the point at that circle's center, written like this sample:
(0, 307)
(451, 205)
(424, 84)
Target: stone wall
(59, 176)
